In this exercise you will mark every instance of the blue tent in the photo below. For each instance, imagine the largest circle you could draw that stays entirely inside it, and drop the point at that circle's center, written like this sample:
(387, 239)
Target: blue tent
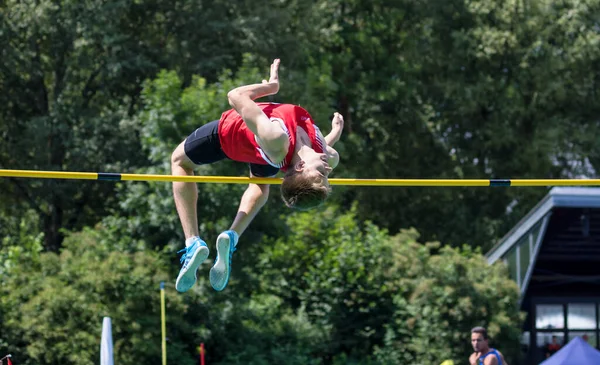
(576, 352)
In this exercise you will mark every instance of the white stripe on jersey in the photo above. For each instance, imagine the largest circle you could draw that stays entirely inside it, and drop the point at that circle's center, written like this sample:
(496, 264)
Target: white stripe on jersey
(320, 141)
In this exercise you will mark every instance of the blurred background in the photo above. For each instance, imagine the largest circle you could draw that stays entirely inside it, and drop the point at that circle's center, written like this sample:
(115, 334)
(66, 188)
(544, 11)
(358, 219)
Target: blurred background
(454, 89)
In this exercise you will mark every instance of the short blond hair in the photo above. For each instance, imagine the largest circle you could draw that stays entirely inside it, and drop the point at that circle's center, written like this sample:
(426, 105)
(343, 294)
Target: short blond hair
(300, 192)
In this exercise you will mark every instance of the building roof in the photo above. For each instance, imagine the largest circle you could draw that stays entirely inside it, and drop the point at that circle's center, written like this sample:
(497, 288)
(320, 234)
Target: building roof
(558, 197)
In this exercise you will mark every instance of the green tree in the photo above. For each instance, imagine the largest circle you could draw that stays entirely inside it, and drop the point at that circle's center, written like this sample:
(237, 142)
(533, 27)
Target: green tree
(71, 77)
(263, 330)
(446, 292)
(53, 307)
(455, 89)
(383, 297)
(512, 91)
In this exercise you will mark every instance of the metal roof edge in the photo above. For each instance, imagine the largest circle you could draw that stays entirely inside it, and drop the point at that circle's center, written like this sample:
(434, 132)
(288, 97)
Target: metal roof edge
(567, 197)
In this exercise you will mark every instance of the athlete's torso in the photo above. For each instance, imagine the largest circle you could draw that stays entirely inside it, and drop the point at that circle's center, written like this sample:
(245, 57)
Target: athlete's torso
(492, 352)
(239, 143)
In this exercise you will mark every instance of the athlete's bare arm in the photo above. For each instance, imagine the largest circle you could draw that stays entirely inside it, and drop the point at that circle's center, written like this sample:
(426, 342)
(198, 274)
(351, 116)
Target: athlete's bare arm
(502, 357)
(272, 138)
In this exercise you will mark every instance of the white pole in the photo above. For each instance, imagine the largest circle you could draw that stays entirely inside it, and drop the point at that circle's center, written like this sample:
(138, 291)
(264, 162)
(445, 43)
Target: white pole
(106, 346)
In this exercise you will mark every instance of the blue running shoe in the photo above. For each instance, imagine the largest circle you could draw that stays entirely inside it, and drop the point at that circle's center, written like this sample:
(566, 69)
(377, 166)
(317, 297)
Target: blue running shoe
(219, 273)
(191, 259)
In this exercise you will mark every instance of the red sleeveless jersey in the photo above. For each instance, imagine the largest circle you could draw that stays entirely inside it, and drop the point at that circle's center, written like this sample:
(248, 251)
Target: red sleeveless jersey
(239, 143)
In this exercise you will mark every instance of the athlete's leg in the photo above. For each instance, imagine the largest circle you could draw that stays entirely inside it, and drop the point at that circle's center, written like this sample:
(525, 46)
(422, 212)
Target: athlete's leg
(185, 193)
(200, 147)
(252, 201)
(254, 198)
(186, 199)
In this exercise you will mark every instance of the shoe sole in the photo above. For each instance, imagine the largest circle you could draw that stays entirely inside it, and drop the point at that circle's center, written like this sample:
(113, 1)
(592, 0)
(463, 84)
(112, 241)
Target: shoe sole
(187, 278)
(219, 273)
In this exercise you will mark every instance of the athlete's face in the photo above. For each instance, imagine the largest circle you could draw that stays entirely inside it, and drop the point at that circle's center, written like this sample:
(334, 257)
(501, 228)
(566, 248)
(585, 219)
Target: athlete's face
(316, 167)
(478, 342)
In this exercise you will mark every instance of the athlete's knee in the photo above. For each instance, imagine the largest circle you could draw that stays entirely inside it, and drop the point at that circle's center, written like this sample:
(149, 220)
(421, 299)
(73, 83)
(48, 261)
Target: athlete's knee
(176, 155)
(180, 159)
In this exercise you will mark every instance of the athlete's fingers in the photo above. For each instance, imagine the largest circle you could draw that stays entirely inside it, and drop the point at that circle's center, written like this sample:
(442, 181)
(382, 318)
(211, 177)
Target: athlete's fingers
(274, 69)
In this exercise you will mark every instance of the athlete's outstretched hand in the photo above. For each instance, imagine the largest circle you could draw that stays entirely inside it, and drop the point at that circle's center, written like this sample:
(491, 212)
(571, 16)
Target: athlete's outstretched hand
(337, 123)
(274, 76)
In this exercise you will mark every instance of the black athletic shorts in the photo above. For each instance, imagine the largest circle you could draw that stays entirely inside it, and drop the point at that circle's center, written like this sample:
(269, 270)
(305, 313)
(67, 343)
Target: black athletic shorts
(204, 147)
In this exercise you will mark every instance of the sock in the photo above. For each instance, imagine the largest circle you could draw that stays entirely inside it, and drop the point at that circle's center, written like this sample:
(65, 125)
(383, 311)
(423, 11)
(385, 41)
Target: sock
(236, 237)
(190, 241)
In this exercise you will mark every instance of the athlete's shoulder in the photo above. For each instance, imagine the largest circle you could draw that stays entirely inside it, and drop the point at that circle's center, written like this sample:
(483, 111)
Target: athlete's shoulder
(501, 357)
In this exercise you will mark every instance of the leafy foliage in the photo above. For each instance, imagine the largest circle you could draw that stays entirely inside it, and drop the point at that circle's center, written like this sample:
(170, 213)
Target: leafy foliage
(411, 301)
(429, 89)
(57, 312)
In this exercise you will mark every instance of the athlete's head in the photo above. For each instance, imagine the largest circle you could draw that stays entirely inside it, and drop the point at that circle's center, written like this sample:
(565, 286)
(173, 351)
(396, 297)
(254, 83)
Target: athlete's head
(305, 184)
(479, 339)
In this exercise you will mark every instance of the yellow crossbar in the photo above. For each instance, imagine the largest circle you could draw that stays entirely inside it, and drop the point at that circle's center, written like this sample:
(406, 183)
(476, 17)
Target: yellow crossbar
(245, 180)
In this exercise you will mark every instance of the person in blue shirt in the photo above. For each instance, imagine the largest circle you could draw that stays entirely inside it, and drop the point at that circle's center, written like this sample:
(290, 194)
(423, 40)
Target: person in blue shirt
(483, 354)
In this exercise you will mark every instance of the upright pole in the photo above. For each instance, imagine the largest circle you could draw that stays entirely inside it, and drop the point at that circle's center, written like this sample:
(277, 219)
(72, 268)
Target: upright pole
(202, 353)
(106, 343)
(163, 323)
(7, 357)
